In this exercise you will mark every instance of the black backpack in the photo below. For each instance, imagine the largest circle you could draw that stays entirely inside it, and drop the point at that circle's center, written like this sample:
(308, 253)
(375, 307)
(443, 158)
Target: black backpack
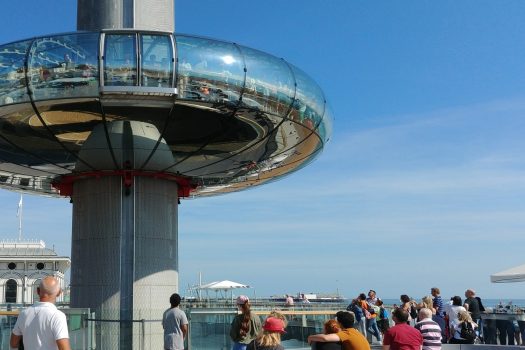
(413, 312)
(467, 332)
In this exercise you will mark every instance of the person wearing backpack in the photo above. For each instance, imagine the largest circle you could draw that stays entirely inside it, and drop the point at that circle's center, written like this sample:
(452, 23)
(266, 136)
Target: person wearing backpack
(355, 308)
(384, 317)
(370, 316)
(464, 329)
(409, 306)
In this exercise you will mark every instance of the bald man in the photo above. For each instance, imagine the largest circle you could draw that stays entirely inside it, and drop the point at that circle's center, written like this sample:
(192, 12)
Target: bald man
(42, 325)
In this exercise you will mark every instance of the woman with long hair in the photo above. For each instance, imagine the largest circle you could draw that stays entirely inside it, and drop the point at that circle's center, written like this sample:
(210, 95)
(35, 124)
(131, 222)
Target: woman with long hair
(464, 329)
(270, 337)
(427, 302)
(245, 326)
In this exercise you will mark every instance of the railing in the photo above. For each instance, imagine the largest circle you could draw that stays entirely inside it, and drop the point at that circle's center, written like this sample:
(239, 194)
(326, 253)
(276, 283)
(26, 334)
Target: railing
(81, 332)
(208, 327)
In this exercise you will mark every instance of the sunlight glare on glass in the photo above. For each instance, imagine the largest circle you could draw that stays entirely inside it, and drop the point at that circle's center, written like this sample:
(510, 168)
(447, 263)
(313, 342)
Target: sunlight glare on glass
(228, 59)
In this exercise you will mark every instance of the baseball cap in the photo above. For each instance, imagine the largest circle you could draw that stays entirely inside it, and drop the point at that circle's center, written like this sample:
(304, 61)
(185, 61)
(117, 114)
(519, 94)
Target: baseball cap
(274, 324)
(242, 299)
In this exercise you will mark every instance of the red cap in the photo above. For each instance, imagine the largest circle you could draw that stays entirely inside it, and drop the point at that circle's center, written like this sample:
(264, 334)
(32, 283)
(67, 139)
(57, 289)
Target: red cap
(273, 324)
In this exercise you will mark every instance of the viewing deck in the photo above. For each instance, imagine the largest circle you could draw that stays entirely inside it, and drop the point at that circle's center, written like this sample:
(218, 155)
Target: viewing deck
(209, 326)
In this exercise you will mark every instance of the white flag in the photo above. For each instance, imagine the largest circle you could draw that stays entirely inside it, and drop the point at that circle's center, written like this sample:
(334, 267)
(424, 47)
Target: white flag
(19, 207)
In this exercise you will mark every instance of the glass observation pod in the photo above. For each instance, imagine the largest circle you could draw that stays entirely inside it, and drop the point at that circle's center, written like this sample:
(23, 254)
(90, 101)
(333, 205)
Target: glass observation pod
(231, 116)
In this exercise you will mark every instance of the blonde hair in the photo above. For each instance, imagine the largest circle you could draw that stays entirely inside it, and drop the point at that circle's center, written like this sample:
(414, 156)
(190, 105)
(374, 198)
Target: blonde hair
(427, 302)
(464, 316)
(268, 339)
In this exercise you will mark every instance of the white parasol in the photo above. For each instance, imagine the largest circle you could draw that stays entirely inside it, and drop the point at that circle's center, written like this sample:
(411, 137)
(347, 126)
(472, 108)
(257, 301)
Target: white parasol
(515, 274)
(225, 286)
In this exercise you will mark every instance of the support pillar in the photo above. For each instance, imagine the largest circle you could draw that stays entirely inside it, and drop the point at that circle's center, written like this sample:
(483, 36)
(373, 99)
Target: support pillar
(124, 257)
(124, 237)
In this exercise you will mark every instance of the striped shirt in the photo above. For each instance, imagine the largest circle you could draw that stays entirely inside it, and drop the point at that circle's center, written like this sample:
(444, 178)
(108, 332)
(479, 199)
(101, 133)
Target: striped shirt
(431, 333)
(438, 305)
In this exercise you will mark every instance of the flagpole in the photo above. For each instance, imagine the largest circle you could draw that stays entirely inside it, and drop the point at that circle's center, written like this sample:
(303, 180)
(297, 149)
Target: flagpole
(20, 219)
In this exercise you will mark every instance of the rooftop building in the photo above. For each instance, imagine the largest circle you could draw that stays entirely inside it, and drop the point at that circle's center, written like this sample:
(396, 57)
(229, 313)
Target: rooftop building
(23, 264)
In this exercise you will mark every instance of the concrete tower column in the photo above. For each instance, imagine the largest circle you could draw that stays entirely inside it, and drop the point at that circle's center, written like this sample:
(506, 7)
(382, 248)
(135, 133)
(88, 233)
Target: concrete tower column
(156, 15)
(124, 245)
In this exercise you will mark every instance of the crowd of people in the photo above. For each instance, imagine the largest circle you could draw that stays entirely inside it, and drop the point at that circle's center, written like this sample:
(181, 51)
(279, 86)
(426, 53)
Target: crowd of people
(411, 325)
(418, 325)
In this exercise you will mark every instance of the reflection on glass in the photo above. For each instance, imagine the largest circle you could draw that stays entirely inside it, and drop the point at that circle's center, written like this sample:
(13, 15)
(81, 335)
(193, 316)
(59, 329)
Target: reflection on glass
(120, 60)
(326, 127)
(64, 66)
(269, 82)
(157, 60)
(12, 73)
(309, 103)
(209, 70)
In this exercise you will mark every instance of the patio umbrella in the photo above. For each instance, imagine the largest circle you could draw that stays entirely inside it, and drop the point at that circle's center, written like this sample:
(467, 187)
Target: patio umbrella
(515, 274)
(224, 286)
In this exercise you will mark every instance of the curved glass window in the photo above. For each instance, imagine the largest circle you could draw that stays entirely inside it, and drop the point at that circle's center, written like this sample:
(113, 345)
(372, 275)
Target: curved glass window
(325, 128)
(12, 73)
(157, 60)
(209, 70)
(64, 66)
(309, 104)
(269, 82)
(120, 60)
(10, 291)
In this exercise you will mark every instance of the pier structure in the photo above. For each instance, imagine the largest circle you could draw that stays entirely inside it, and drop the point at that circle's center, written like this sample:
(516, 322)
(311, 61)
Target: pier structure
(127, 118)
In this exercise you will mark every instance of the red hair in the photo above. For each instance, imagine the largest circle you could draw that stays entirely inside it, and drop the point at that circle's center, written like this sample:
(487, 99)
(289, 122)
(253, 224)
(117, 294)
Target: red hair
(332, 326)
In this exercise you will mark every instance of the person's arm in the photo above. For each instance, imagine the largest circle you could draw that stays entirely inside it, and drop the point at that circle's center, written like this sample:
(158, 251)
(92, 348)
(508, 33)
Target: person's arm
(466, 305)
(15, 340)
(386, 347)
(323, 338)
(63, 344)
(184, 329)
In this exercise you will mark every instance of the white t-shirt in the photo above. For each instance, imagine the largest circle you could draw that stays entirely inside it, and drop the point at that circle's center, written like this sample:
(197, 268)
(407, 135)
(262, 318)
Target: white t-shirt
(41, 325)
(452, 313)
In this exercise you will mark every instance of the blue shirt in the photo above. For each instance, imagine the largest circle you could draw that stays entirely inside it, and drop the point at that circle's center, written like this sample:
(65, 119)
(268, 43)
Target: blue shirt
(438, 304)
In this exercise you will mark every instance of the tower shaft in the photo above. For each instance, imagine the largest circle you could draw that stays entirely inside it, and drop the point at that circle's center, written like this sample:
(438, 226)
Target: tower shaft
(155, 15)
(124, 257)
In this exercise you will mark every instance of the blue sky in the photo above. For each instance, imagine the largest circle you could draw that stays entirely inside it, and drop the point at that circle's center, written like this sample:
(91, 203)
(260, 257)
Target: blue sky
(423, 183)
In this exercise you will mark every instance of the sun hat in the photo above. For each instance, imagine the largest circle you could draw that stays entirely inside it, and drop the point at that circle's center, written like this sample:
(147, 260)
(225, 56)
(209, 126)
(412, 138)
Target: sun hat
(274, 324)
(242, 299)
